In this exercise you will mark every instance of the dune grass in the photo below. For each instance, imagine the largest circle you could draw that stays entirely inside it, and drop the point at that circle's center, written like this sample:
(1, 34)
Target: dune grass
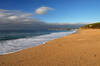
(92, 26)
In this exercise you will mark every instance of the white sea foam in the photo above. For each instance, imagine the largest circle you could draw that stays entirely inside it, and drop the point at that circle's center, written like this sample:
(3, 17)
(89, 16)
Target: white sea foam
(19, 44)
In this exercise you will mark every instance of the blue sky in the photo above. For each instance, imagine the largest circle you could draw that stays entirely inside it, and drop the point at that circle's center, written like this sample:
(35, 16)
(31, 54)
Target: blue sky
(63, 11)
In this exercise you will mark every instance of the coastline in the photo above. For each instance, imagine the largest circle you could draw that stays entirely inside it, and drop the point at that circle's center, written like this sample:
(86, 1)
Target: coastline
(78, 49)
(34, 41)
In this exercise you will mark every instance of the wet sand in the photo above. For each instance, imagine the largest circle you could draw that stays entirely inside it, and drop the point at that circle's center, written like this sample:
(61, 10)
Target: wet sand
(79, 49)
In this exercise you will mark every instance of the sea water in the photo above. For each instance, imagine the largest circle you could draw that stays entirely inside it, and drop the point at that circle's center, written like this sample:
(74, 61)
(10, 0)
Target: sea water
(12, 41)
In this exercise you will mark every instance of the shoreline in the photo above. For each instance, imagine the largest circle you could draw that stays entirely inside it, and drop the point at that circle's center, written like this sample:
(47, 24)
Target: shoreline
(79, 49)
(73, 31)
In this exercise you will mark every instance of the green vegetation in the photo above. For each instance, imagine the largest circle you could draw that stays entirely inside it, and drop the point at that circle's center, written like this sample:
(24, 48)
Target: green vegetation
(92, 26)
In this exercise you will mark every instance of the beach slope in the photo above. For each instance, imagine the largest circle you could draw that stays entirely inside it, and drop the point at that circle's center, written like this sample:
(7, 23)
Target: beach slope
(79, 49)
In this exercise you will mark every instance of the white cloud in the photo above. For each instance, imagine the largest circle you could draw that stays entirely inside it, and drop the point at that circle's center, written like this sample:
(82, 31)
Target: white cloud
(12, 17)
(16, 20)
(42, 10)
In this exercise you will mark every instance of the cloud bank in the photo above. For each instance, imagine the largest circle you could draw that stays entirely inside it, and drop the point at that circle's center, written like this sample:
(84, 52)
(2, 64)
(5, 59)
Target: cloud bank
(42, 10)
(16, 20)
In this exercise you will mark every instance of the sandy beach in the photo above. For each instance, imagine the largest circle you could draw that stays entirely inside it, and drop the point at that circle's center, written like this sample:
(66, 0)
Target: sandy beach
(79, 49)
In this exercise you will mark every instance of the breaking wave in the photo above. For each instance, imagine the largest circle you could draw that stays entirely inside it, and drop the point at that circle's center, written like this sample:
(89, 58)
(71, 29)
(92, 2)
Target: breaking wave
(10, 46)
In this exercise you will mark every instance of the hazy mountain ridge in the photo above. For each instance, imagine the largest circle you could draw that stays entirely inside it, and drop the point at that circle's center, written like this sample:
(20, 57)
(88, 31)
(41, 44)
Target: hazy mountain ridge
(41, 26)
(71, 26)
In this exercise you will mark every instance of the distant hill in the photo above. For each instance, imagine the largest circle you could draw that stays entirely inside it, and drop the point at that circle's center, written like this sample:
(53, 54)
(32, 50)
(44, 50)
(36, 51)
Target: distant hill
(64, 26)
(92, 26)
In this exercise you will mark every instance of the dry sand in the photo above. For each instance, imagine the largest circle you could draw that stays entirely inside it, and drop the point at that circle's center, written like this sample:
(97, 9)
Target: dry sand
(80, 49)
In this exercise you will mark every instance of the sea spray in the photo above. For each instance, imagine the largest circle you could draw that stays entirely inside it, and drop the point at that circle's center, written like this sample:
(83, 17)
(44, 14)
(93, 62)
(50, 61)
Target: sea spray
(10, 46)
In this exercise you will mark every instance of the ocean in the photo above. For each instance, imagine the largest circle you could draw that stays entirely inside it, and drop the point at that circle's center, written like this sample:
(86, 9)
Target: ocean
(12, 41)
